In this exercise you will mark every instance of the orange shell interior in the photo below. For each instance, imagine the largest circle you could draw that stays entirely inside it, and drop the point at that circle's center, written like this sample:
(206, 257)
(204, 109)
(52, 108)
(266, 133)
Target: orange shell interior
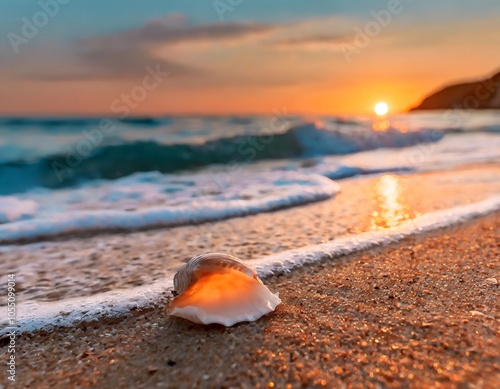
(213, 289)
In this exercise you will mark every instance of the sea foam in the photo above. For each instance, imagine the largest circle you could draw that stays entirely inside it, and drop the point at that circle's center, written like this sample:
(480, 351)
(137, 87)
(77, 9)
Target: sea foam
(147, 200)
(32, 316)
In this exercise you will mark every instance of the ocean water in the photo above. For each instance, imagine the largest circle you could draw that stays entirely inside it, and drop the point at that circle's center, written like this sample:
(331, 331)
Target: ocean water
(89, 176)
(61, 176)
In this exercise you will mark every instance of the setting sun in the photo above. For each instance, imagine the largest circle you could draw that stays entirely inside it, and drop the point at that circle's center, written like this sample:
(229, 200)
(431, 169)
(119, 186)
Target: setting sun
(381, 108)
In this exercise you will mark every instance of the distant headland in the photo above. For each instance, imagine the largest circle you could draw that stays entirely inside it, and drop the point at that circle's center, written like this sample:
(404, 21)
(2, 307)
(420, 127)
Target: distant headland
(479, 94)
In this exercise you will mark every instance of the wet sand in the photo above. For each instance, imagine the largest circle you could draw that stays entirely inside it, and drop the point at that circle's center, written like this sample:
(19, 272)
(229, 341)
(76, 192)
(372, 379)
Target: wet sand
(424, 312)
(78, 267)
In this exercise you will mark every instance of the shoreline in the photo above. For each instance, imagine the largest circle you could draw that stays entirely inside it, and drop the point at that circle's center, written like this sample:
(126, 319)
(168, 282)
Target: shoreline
(418, 312)
(117, 304)
(83, 267)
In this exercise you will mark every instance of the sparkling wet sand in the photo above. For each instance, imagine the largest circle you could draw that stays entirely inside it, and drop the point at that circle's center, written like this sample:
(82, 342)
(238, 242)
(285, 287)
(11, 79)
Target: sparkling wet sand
(424, 312)
(420, 313)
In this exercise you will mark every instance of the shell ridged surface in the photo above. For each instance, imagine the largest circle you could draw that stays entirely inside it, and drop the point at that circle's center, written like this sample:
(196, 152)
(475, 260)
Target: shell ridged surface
(220, 288)
(188, 273)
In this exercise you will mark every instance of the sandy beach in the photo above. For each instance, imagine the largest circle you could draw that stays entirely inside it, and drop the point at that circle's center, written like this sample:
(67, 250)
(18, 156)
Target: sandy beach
(423, 312)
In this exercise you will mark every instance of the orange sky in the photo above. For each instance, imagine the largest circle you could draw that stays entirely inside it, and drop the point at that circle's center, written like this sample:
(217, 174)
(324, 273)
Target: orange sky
(289, 66)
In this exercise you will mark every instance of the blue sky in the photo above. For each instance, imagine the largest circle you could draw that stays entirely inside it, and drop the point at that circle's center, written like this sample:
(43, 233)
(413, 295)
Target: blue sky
(260, 48)
(80, 18)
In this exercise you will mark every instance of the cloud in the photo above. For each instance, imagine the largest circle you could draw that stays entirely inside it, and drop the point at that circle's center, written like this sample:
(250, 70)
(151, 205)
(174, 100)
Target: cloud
(313, 34)
(313, 39)
(192, 53)
(171, 30)
(126, 54)
(121, 62)
(315, 42)
(108, 63)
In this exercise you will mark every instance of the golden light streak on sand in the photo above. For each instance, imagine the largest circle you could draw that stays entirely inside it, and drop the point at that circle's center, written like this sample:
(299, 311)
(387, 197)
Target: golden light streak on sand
(391, 208)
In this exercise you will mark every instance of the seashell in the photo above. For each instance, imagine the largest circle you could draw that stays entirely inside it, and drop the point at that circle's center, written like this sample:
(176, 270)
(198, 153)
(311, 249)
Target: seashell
(220, 288)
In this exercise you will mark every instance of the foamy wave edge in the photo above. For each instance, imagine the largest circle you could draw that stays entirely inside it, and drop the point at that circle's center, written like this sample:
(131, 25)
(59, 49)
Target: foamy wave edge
(46, 227)
(119, 304)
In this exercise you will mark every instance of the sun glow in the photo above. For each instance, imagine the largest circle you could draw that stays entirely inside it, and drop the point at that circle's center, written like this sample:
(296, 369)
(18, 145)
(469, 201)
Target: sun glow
(381, 108)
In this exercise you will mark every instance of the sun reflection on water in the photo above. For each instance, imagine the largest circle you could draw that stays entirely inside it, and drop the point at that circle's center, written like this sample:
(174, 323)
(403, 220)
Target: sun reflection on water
(391, 209)
(381, 125)
(384, 125)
